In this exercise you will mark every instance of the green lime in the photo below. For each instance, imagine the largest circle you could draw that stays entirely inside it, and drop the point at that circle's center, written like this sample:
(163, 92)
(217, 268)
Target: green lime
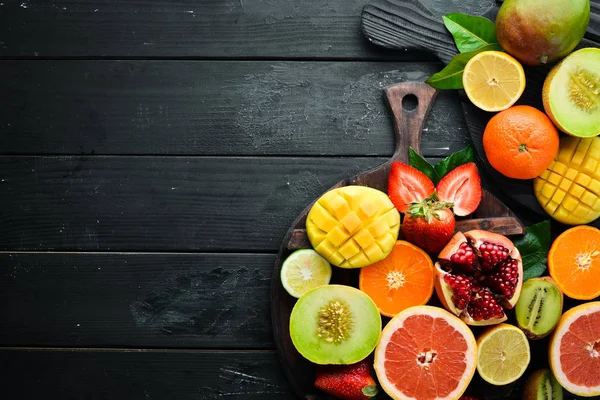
(304, 270)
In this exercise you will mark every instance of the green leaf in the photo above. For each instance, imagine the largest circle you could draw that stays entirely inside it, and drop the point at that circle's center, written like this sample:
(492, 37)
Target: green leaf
(470, 32)
(451, 76)
(370, 390)
(418, 162)
(534, 247)
(457, 159)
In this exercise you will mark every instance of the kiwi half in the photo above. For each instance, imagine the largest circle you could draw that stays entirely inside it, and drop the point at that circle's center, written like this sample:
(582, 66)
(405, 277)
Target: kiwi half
(539, 307)
(542, 385)
(335, 324)
(571, 93)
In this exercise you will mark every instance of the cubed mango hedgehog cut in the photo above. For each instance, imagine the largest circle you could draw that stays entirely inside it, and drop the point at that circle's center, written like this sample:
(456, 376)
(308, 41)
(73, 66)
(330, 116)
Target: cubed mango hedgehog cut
(353, 226)
(569, 189)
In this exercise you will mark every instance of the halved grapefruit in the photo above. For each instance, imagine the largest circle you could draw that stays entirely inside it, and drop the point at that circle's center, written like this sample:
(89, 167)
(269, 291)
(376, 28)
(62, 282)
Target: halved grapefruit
(425, 353)
(575, 350)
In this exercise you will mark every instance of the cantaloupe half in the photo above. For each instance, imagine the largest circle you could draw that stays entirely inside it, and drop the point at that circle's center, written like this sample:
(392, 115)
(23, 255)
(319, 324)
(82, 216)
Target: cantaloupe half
(571, 93)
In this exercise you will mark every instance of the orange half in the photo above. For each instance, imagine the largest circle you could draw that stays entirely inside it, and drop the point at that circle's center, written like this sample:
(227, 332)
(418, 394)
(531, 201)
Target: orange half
(574, 262)
(401, 280)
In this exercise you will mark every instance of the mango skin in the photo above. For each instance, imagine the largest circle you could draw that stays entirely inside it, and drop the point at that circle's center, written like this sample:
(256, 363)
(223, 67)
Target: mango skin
(538, 32)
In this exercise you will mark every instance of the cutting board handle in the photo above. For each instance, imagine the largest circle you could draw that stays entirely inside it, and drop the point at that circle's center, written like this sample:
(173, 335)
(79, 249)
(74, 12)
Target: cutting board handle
(410, 103)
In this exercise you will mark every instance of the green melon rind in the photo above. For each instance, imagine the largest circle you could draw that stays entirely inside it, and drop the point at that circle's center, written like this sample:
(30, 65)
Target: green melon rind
(566, 116)
(304, 322)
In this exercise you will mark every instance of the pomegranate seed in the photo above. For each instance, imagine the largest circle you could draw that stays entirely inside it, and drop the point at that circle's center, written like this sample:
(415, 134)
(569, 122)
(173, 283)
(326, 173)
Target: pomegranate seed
(484, 306)
(504, 280)
(461, 289)
(491, 254)
(464, 258)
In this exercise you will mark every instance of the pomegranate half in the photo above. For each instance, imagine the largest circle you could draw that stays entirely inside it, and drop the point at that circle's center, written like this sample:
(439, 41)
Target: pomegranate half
(478, 275)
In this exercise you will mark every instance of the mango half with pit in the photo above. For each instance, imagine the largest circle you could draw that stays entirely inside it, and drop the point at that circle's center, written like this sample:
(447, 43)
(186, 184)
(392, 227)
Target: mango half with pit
(569, 189)
(353, 226)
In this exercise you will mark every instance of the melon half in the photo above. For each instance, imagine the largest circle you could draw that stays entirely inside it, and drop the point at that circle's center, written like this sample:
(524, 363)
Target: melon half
(571, 93)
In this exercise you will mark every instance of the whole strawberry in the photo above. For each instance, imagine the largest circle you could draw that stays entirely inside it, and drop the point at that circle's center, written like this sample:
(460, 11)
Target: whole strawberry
(349, 382)
(429, 224)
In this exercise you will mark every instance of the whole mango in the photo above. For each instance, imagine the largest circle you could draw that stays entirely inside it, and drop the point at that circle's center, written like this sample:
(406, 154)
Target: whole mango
(538, 32)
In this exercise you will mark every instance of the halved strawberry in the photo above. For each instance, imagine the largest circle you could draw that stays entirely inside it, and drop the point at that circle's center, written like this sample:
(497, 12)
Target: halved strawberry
(461, 186)
(407, 184)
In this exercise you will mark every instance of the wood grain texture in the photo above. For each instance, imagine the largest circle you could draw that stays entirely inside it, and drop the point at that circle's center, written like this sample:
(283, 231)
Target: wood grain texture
(213, 108)
(141, 374)
(191, 28)
(385, 25)
(160, 203)
(409, 25)
(136, 300)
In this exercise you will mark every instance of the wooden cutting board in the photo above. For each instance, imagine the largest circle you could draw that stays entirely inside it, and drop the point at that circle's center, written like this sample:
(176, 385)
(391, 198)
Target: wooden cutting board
(491, 215)
(407, 24)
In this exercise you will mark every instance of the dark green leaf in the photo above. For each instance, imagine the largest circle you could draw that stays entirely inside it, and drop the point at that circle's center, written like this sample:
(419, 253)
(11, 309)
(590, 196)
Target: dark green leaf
(418, 162)
(457, 159)
(451, 76)
(534, 247)
(470, 32)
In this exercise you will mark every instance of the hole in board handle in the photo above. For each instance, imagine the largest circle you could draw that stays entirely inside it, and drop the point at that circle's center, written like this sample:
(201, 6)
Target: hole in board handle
(410, 102)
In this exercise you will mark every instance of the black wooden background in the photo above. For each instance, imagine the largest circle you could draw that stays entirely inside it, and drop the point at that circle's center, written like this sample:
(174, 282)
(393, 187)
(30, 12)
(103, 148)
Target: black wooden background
(152, 155)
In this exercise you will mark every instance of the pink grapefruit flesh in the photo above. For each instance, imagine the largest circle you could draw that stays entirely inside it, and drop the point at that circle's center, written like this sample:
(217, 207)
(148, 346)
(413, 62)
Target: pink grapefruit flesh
(575, 350)
(425, 353)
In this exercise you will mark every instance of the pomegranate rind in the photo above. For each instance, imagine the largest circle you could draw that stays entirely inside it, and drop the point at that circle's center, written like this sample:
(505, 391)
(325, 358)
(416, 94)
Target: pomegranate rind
(452, 246)
(563, 327)
(444, 291)
(515, 254)
(396, 323)
(475, 237)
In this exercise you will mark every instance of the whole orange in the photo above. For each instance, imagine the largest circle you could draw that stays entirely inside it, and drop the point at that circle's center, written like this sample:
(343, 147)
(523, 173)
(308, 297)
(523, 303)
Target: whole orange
(520, 142)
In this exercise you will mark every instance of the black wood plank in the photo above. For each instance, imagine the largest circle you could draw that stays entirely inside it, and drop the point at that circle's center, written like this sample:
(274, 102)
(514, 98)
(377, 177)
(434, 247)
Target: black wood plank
(136, 300)
(213, 108)
(409, 25)
(160, 203)
(141, 374)
(189, 28)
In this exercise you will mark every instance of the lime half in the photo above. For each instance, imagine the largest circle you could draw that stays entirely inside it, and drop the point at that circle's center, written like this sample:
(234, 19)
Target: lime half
(304, 270)
(503, 354)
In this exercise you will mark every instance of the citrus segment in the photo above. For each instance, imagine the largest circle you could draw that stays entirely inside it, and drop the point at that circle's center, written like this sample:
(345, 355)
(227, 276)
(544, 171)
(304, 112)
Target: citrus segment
(304, 270)
(503, 354)
(575, 350)
(401, 280)
(425, 353)
(493, 80)
(574, 262)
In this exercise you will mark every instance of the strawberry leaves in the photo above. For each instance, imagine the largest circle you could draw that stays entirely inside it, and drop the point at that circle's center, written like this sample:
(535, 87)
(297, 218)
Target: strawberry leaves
(437, 172)
(454, 180)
